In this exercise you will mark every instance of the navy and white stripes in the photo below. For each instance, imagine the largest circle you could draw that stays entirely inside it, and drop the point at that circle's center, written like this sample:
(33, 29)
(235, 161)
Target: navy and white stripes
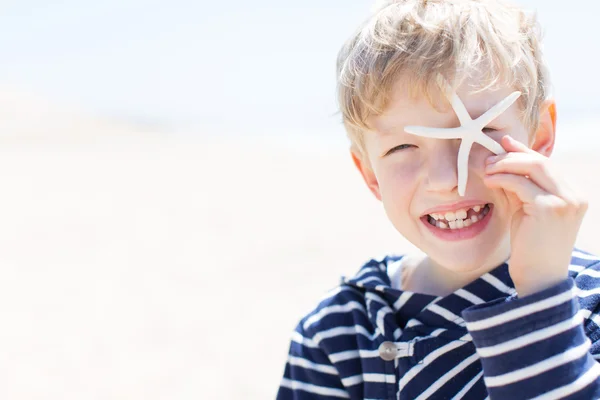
(481, 341)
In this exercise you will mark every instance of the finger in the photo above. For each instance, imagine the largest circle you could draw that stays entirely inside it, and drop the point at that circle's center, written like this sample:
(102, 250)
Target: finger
(536, 168)
(526, 190)
(513, 200)
(511, 144)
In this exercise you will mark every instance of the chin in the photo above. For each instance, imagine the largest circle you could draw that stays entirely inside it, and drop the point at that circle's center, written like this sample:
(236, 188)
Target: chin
(462, 264)
(481, 255)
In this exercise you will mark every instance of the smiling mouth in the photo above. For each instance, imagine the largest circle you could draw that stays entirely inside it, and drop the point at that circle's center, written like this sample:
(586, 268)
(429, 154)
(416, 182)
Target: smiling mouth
(459, 219)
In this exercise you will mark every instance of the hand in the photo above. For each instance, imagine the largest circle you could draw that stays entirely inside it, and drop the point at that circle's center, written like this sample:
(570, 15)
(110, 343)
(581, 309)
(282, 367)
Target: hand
(546, 216)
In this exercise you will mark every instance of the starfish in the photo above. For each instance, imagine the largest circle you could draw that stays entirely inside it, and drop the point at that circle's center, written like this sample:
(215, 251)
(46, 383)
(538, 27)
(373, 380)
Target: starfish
(470, 131)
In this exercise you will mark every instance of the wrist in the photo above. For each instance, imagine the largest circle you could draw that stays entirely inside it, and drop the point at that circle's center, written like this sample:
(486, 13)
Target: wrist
(529, 288)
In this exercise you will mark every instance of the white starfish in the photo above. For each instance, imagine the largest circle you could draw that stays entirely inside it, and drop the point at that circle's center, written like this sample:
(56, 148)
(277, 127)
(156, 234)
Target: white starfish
(470, 131)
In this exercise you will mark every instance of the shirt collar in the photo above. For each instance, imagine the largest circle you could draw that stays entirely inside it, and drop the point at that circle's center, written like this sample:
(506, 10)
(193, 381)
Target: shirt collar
(374, 281)
(373, 276)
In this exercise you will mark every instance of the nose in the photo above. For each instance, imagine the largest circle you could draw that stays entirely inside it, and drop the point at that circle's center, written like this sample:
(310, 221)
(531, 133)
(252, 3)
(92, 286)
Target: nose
(441, 174)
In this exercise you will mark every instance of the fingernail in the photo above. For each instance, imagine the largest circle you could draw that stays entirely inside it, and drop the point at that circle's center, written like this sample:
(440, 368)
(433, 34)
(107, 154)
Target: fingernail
(491, 159)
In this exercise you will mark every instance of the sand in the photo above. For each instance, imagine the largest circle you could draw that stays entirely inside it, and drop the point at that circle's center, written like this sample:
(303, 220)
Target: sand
(139, 265)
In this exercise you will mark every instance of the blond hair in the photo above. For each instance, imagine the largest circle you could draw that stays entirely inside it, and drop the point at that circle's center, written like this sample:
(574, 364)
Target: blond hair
(421, 40)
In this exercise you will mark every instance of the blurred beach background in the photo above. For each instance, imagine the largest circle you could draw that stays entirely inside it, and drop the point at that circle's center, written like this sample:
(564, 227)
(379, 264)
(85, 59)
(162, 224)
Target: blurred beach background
(177, 190)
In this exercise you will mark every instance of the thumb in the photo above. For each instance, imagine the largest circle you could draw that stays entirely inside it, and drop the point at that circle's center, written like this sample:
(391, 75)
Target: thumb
(514, 203)
(511, 144)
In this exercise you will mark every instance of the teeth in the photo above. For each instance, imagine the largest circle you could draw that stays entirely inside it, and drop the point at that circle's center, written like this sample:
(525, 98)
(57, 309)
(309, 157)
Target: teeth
(450, 216)
(458, 219)
(461, 214)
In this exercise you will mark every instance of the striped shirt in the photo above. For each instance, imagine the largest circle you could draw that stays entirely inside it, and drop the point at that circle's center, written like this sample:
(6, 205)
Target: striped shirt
(367, 340)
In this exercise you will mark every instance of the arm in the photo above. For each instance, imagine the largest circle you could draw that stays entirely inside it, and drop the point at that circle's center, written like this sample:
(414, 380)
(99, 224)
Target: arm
(309, 374)
(535, 346)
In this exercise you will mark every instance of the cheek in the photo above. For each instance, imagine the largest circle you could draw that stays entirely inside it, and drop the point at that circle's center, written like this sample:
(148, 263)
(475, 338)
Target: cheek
(478, 156)
(397, 181)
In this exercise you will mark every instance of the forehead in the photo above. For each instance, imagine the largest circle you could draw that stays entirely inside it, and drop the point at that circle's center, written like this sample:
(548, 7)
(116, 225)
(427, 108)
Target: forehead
(404, 108)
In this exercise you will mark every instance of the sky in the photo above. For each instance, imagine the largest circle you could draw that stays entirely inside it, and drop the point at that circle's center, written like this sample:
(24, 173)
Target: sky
(255, 67)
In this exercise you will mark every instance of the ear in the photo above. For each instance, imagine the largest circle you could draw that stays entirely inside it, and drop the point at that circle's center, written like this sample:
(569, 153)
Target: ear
(364, 167)
(545, 136)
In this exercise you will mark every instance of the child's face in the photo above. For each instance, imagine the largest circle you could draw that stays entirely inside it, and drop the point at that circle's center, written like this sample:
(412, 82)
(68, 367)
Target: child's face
(422, 175)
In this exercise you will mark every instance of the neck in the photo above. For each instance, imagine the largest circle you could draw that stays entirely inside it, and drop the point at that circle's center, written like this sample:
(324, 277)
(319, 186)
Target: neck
(430, 277)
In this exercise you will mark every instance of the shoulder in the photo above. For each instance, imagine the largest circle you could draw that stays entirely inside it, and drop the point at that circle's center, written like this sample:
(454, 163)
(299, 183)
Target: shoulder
(582, 260)
(345, 304)
(585, 271)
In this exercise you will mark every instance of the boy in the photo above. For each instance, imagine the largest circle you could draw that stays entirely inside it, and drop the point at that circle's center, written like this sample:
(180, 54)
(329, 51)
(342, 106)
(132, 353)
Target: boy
(499, 304)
